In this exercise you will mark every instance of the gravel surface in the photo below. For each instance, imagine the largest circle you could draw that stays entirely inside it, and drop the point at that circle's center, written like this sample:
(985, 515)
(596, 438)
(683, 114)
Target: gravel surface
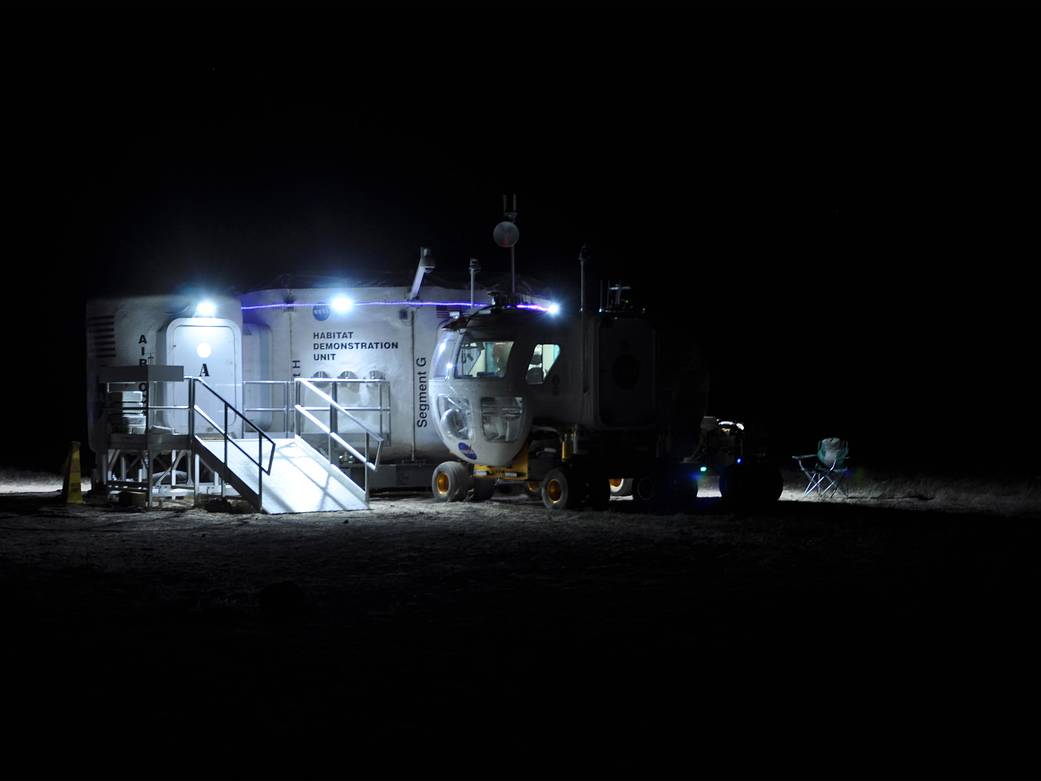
(497, 639)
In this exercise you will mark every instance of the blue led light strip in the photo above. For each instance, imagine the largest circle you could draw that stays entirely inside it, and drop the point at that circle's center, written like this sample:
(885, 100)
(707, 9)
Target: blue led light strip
(458, 304)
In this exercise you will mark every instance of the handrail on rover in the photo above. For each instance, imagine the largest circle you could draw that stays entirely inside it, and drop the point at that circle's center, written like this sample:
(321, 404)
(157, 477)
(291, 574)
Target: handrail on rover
(334, 408)
(228, 406)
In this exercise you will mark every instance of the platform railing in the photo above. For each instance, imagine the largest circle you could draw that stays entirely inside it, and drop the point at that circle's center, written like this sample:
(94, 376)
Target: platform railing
(335, 409)
(285, 409)
(382, 407)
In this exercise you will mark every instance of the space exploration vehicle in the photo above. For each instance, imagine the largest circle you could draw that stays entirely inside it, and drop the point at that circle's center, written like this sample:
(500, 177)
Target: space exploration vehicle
(568, 405)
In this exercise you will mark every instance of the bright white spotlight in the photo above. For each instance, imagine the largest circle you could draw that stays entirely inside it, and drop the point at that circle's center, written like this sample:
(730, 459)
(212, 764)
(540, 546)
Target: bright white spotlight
(205, 309)
(342, 305)
(553, 309)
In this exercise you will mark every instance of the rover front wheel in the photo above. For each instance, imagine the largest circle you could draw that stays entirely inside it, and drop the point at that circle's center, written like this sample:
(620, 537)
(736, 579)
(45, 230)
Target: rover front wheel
(450, 481)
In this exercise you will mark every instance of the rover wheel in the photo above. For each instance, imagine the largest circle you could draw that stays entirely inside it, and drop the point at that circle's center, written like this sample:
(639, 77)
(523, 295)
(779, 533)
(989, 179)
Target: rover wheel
(450, 481)
(558, 490)
(667, 489)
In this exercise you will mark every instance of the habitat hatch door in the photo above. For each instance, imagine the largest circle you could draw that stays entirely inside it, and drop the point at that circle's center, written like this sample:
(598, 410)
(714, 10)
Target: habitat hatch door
(211, 349)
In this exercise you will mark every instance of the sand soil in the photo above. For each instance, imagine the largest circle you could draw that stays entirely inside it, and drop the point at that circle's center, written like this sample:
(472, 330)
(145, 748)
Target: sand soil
(421, 639)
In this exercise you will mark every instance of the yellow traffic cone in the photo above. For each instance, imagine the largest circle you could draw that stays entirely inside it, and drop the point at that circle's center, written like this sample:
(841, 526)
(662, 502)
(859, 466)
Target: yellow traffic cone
(71, 491)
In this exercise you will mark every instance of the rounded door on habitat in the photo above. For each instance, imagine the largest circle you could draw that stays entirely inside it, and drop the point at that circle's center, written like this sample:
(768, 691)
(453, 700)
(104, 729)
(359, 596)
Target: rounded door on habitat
(210, 349)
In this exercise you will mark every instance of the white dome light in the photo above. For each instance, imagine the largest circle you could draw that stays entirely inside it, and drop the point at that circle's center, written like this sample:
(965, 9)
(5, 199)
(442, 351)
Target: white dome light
(205, 309)
(342, 305)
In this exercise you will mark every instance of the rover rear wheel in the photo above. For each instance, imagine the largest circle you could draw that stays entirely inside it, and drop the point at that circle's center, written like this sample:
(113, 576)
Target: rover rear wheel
(559, 490)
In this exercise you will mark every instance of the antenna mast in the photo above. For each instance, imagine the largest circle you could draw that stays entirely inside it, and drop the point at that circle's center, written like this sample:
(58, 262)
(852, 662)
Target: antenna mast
(506, 236)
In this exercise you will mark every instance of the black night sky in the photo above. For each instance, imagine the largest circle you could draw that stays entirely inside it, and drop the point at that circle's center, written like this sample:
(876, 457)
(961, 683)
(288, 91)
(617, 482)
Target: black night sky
(839, 208)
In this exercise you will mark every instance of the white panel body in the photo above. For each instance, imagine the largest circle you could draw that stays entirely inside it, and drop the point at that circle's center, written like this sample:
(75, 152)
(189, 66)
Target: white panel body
(460, 399)
(131, 330)
(383, 335)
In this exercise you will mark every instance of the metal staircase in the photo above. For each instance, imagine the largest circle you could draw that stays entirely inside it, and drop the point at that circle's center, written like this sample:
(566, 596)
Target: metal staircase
(296, 480)
(281, 475)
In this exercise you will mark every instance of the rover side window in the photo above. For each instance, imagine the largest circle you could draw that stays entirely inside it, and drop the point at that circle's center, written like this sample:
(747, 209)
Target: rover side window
(542, 359)
(444, 355)
(483, 359)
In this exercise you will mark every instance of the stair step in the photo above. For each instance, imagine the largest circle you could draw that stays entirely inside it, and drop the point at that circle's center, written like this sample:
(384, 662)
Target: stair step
(301, 479)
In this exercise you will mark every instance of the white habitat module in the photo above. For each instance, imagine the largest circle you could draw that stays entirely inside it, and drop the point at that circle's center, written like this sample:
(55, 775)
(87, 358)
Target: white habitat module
(369, 347)
(205, 337)
(374, 340)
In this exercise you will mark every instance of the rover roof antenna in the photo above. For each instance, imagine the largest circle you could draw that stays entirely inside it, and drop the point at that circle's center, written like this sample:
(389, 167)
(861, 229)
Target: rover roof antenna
(506, 236)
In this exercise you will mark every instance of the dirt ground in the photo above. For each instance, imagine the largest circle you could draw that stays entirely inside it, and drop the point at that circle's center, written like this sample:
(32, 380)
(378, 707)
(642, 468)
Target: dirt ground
(497, 639)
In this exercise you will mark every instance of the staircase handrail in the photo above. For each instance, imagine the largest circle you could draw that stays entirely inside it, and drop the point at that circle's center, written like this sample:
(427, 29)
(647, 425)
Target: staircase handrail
(339, 407)
(335, 406)
(228, 406)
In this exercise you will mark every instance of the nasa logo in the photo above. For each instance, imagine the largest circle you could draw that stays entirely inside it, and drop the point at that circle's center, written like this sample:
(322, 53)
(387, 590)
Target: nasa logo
(467, 451)
(321, 311)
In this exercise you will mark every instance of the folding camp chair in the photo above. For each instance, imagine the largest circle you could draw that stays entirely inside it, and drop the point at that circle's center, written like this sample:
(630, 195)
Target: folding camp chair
(825, 470)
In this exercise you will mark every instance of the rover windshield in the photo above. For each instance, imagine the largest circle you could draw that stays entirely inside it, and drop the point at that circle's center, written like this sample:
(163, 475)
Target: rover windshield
(482, 358)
